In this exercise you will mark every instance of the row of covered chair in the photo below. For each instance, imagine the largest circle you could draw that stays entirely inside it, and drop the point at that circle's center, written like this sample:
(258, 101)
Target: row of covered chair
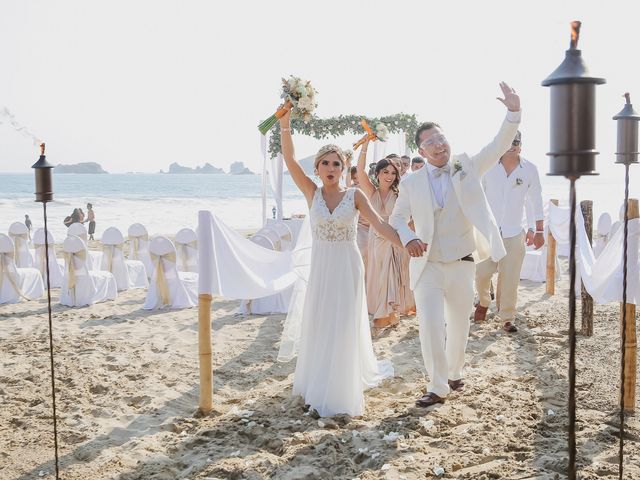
(87, 278)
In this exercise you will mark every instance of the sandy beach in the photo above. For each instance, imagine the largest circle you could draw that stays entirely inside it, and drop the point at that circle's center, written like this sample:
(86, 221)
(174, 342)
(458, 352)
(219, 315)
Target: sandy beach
(128, 393)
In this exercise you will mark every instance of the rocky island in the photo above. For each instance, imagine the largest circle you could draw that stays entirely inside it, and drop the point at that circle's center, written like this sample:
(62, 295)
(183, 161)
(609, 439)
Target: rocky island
(85, 167)
(206, 168)
(238, 168)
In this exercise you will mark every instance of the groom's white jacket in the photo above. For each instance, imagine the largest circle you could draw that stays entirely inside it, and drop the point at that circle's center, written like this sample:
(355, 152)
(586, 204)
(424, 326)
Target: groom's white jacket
(415, 200)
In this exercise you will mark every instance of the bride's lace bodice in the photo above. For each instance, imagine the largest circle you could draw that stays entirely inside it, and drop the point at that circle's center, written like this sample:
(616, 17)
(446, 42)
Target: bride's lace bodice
(339, 226)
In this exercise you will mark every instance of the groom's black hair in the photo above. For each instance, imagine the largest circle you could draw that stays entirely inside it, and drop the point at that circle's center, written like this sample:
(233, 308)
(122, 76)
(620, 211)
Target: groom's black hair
(422, 128)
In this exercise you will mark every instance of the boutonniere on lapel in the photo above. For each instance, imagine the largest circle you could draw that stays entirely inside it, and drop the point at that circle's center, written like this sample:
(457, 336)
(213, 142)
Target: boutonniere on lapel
(457, 167)
(518, 182)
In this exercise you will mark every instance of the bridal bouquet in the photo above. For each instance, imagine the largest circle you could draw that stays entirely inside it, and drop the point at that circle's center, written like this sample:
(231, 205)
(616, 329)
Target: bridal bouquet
(302, 99)
(381, 133)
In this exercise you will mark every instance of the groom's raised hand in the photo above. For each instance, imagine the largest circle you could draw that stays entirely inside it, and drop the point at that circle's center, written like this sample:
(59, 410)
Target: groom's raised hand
(416, 248)
(511, 99)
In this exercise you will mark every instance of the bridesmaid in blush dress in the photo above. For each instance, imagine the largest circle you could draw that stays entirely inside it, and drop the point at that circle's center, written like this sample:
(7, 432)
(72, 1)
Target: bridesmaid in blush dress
(388, 292)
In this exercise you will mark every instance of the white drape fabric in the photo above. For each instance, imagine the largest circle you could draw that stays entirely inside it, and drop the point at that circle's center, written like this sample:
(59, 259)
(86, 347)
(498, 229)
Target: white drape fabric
(263, 151)
(301, 265)
(601, 276)
(234, 267)
(276, 179)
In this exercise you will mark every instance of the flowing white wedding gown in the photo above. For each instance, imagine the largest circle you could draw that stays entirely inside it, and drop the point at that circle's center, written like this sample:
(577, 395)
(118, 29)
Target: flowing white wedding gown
(336, 362)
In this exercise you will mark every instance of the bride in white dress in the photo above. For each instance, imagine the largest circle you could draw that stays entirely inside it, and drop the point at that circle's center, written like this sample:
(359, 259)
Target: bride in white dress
(336, 362)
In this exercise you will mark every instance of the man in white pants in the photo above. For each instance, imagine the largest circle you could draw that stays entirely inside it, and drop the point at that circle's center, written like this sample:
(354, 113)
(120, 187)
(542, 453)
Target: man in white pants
(512, 186)
(452, 221)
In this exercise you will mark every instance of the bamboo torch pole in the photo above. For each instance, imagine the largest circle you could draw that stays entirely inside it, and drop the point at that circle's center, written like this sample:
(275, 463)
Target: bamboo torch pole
(587, 301)
(204, 347)
(551, 259)
(631, 344)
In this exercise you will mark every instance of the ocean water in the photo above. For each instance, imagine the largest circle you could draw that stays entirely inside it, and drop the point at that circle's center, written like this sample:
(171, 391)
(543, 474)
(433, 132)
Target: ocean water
(161, 202)
(165, 203)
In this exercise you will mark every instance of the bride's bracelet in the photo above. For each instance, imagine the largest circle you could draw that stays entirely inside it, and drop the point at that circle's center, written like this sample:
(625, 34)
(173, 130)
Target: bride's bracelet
(285, 129)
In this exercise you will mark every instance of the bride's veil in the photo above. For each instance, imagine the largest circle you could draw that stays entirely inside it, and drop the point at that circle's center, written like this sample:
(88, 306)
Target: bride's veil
(301, 259)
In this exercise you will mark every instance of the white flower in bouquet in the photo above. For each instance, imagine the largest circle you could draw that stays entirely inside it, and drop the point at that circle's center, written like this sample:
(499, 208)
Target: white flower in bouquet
(382, 132)
(310, 91)
(301, 89)
(305, 104)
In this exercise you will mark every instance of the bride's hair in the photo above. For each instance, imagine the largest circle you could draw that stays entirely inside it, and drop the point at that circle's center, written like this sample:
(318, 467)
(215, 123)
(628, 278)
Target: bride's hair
(326, 150)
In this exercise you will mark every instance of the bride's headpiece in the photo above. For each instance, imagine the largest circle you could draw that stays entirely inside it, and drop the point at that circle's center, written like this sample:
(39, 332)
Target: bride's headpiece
(327, 149)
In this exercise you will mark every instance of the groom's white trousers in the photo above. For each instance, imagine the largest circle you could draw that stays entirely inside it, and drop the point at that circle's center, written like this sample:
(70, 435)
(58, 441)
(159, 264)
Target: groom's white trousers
(444, 300)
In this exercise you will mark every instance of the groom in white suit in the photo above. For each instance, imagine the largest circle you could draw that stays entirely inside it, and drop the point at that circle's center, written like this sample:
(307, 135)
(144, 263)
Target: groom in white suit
(454, 227)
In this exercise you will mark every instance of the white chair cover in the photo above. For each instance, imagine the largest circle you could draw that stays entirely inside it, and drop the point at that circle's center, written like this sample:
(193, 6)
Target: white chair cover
(55, 269)
(16, 283)
(139, 246)
(168, 286)
(187, 250)
(603, 232)
(129, 273)
(263, 241)
(273, 235)
(94, 259)
(80, 286)
(284, 234)
(19, 233)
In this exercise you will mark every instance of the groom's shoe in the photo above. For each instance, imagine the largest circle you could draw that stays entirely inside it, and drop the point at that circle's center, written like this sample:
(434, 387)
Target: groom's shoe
(480, 314)
(428, 400)
(456, 385)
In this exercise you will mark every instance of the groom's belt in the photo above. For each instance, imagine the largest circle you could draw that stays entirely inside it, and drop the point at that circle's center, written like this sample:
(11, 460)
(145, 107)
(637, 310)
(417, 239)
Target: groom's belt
(468, 258)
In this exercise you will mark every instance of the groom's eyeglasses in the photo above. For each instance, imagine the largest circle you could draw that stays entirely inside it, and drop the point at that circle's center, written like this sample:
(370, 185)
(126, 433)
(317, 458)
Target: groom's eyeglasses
(434, 140)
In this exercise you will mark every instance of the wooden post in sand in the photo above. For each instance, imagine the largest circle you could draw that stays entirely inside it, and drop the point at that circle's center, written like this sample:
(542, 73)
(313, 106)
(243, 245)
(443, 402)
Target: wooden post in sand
(204, 347)
(631, 353)
(551, 259)
(587, 301)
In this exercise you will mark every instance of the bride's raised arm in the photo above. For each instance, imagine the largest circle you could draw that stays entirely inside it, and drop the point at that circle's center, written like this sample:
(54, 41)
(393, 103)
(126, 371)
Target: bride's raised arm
(365, 182)
(302, 181)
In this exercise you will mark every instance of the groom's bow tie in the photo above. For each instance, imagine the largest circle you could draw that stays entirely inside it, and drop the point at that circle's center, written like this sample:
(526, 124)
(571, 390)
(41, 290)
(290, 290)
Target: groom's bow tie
(439, 171)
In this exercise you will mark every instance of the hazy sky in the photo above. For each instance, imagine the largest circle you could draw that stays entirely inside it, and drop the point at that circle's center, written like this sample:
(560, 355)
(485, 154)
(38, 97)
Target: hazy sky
(137, 85)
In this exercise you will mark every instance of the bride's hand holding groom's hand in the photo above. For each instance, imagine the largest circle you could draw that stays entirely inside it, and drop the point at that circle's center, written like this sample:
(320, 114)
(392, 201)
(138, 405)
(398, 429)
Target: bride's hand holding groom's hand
(416, 248)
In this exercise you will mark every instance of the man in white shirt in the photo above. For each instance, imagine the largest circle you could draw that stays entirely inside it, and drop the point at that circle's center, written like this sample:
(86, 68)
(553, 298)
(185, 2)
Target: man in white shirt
(453, 223)
(511, 186)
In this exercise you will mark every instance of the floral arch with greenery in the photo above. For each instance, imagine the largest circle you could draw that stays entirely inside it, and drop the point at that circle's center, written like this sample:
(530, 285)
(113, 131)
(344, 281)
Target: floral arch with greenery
(321, 128)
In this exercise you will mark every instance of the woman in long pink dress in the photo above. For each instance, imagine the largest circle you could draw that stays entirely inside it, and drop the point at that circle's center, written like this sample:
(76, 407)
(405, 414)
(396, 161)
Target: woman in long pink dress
(388, 292)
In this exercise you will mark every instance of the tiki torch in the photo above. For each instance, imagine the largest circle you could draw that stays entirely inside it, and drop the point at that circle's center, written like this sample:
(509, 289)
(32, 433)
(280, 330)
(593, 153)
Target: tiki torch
(573, 154)
(626, 154)
(44, 194)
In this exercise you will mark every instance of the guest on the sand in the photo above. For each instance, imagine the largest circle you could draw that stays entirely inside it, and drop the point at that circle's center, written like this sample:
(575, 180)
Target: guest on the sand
(511, 186)
(91, 218)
